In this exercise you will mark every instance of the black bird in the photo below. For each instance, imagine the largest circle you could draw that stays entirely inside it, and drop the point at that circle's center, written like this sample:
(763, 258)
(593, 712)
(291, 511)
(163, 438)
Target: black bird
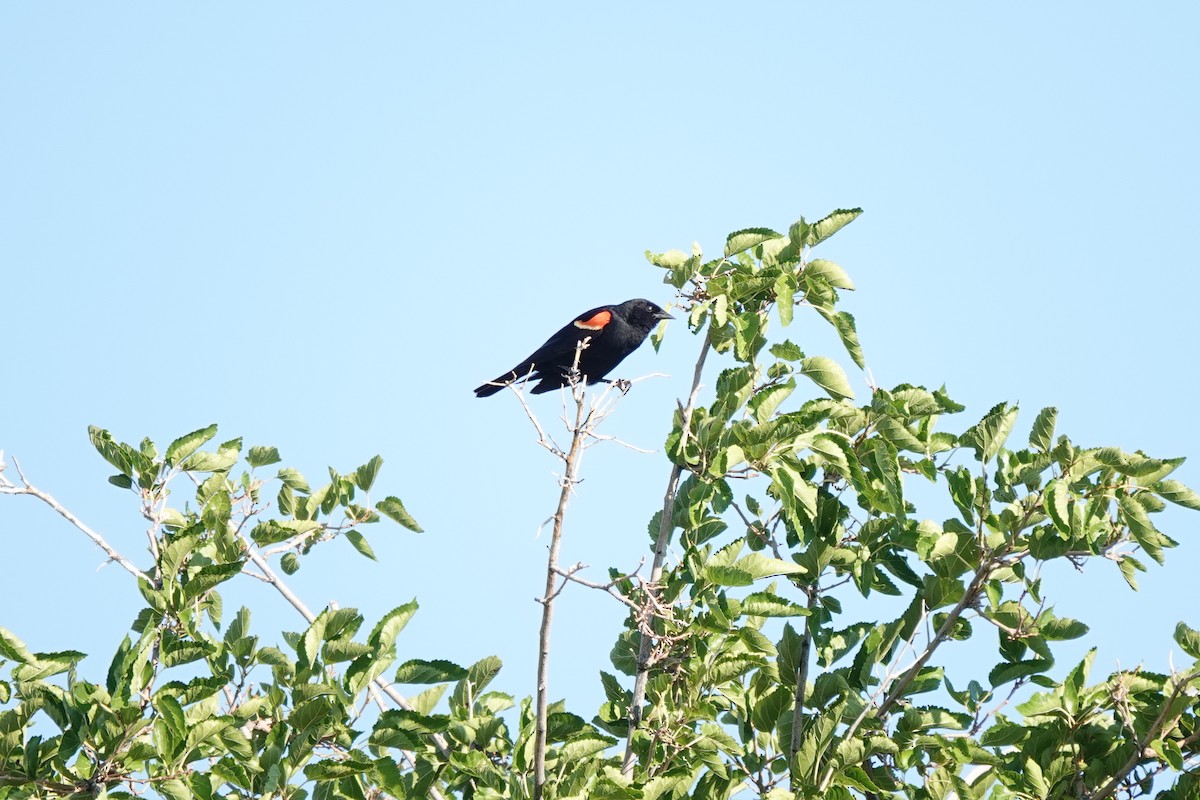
(613, 333)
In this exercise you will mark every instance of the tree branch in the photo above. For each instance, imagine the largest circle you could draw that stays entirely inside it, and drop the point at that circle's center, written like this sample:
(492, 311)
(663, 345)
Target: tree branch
(1157, 728)
(7, 487)
(801, 685)
(665, 526)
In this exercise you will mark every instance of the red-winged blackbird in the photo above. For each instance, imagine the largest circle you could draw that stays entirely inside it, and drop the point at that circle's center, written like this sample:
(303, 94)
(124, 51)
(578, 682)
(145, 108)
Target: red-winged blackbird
(613, 333)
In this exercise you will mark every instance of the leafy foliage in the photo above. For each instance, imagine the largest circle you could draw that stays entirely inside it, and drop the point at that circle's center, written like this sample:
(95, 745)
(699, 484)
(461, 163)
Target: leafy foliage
(760, 672)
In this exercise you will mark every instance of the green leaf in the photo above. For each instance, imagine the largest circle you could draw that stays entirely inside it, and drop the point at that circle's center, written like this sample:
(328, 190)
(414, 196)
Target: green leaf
(1041, 438)
(274, 530)
(383, 635)
(1176, 492)
(1061, 628)
(767, 604)
(829, 272)
(187, 444)
(364, 476)
(1129, 567)
(208, 577)
(785, 294)
(763, 404)
(743, 240)
(392, 507)
(13, 648)
(787, 351)
(360, 544)
(1188, 639)
(1141, 528)
(843, 322)
(172, 789)
(1012, 670)
(172, 714)
(346, 766)
(1058, 505)
(45, 665)
(293, 480)
(437, 671)
(989, 434)
(829, 375)
(822, 230)
(202, 461)
(479, 675)
(289, 563)
(262, 456)
(724, 575)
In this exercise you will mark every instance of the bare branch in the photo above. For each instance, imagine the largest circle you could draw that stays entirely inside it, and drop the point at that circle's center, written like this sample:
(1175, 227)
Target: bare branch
(646, 643)
(568, 481)
(1157, 728)
(609, 588)
(802, 683)
(26, 488)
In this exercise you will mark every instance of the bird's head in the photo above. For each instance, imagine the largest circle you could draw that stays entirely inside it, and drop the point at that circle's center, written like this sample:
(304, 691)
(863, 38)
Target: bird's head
(642, 313)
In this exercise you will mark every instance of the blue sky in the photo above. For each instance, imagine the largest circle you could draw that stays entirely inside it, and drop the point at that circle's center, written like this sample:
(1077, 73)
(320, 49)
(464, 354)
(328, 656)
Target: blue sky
(320, 226)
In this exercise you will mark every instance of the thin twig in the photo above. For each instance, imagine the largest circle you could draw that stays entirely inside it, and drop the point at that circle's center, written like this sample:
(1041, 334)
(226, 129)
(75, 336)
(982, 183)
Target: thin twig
(1156, 729)
(609, 588)
(569, 478)
(802, 684)
(7, 487)
(646, 642)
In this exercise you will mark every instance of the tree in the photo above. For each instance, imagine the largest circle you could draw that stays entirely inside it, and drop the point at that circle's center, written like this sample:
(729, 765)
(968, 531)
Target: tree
(740, 670)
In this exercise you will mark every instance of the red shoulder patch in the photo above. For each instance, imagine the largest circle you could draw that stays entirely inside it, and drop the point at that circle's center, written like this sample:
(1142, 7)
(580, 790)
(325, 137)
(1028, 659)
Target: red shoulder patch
(596, 322)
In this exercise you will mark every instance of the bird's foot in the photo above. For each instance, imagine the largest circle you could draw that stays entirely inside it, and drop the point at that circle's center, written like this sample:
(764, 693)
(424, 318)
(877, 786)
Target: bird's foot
(622, 385)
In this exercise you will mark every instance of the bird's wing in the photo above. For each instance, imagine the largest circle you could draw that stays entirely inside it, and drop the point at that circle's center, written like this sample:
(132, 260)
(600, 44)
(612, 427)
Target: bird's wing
(562, 344)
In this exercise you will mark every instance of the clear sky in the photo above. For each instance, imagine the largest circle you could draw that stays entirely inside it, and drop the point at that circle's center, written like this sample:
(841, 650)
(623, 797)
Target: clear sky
(320, 225)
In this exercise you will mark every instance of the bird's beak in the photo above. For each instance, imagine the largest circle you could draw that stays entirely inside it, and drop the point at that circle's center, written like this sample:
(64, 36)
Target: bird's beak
(662, 315)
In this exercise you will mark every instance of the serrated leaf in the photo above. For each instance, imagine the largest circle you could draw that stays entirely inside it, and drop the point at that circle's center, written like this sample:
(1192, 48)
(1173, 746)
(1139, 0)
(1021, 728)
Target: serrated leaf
(1012, 670)
(13, 649)
(208, 577)
(822, 230)
(830, 272)
(293, 480)
(843, 322)
(989, 434)
(187, 444)
(289, 563)
(1041, 438)
(785, 297)
(44, 665)
(763, 404)
(829, 375)
(437, 671)
(743, 240)
(1062, 628)
(393, 508)
(767, 604)
(1129, 567)
(364, 476)
(261, 456)
(1141, 528)
(787, 351)
(1177, 493)
(728, 576)
(1188, 639)
(203, 461)
(360, 544)
(383, 635)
